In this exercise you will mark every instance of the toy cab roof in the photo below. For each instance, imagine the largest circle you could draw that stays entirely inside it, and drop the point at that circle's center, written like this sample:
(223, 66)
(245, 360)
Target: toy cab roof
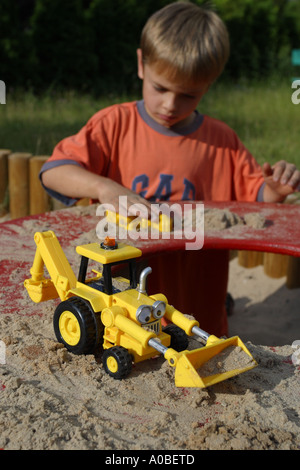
(101, 255)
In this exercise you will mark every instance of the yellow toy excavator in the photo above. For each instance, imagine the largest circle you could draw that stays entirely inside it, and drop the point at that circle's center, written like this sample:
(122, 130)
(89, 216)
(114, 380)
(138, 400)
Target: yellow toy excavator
(119, 315)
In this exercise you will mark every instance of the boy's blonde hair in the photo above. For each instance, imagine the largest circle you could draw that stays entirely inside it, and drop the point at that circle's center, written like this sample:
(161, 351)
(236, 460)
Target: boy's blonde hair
(186, 42)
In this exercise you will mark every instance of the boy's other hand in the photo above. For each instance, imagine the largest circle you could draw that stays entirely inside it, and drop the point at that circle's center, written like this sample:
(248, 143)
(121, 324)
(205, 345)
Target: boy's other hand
(281, 179)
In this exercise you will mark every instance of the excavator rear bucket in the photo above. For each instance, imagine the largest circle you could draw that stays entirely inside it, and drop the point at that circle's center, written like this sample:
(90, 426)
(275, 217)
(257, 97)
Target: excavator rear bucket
(49, 253)
(219, 360)
(42, 290)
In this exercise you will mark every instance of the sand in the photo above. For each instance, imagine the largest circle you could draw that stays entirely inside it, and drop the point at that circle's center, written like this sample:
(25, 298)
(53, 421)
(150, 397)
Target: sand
(53, 400)
(220, 219)
(231, 358)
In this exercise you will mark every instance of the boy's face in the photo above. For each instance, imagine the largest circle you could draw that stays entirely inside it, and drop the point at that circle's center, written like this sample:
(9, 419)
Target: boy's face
(168, 103)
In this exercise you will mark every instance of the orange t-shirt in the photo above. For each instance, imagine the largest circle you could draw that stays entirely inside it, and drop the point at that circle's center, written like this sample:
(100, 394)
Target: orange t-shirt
(203, 162)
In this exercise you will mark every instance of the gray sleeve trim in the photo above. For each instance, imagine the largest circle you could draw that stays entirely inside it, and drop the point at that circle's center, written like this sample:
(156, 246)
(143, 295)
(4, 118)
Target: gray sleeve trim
(67, 201)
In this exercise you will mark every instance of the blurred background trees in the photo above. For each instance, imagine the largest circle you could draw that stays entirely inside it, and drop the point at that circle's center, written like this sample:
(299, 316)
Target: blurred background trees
(90, 45)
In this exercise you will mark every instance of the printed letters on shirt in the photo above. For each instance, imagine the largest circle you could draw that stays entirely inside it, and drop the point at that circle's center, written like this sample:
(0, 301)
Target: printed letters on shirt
(163, 192)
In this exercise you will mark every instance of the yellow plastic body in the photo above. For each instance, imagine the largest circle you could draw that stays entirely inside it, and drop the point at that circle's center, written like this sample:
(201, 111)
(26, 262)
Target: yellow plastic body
(122, 329)
(118, 311)
(165, 223)
(96, 253)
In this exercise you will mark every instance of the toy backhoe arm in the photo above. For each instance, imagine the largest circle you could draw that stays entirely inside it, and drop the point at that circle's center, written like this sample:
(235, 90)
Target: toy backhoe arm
(62, 278)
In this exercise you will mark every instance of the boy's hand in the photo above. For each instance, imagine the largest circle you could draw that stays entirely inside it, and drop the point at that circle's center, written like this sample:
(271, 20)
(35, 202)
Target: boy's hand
(110, 194)
(281, 180)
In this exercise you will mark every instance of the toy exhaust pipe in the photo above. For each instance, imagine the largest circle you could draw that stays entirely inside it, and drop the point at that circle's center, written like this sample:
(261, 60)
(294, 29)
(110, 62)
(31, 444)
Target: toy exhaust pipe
(203, 367)
(143, 280)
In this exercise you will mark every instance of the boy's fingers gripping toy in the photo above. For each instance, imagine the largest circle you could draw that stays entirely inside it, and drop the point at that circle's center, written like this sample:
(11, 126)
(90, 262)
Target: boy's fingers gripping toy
(119, 315)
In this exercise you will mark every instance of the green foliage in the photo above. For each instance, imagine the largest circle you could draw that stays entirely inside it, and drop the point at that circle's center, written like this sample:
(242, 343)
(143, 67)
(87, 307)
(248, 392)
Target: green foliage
(14, 46)
(262, 35)
(61, 42)
(91, 44)
(116, 26)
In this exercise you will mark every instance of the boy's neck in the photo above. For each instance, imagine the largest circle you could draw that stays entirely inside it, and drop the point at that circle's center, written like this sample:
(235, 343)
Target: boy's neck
(188, 121)
(185, 127)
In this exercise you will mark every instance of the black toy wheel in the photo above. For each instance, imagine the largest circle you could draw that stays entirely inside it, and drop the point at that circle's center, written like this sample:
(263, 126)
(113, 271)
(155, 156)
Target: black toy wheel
(179, 339)
(117, 362)
(76, 326)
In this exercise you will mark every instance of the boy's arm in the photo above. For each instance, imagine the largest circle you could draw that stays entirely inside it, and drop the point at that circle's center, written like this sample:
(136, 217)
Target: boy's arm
(71, 180)
(77, 182)
(281, 180)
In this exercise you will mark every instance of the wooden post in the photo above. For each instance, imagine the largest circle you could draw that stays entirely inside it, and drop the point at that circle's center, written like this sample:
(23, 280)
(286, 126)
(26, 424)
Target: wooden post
(18, 180)
(250, 259)
(293, 273)
(39, 201)
(275, 265)
(4, 181)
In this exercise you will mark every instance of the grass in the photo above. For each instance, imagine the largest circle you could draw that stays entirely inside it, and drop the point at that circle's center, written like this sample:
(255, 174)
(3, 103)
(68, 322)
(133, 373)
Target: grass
(35, 124)
(263, 116)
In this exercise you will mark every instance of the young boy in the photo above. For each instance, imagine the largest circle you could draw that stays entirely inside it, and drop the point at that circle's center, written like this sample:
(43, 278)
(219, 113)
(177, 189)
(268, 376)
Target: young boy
(161, 148)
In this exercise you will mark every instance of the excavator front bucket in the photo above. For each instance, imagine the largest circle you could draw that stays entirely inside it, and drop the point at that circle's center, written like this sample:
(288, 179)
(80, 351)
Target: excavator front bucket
(219, 360)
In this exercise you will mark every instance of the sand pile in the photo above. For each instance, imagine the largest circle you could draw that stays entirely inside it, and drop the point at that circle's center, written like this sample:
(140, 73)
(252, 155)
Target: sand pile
(220, 219)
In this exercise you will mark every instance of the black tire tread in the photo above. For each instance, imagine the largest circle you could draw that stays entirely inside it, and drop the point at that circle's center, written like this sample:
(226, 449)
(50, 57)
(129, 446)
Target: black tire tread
(179, 339)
